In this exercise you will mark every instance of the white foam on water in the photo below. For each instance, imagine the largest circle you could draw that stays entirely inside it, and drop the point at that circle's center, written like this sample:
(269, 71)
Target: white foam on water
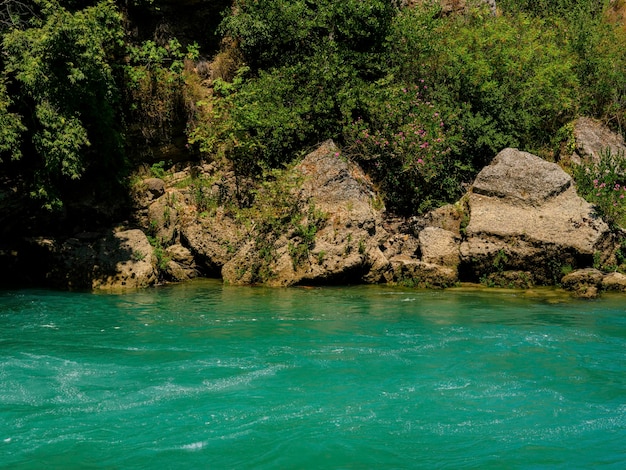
(194, 446)
(241, 380)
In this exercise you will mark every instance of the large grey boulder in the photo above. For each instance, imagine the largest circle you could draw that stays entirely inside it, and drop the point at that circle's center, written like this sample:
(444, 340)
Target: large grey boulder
(524, 212)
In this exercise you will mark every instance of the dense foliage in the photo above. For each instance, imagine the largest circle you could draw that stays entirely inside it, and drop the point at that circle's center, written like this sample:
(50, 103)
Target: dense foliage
(59, 95)
(420, 99)
(462, 88)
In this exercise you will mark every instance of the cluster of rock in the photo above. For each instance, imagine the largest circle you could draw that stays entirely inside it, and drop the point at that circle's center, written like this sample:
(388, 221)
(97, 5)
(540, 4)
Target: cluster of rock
(520, 224)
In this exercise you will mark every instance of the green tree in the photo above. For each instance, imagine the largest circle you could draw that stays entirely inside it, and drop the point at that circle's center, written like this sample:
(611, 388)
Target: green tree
(58, 70)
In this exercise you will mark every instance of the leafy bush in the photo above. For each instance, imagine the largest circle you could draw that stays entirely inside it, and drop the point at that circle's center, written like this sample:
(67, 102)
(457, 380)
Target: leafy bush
(512, 82)
(273, 33)
(405, 144)
(603, 183)
(598, 44)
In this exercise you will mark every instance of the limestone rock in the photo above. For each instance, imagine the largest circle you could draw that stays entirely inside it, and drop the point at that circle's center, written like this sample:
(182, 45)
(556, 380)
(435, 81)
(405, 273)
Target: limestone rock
(147, 191)
(449, 217)
(415, 273)
(346, 243)
(520, 178)
(162, 217)
(440, 247)
(525, 212)
(121, 259)
(181, 265)
(614, 282)
(592, 138)
(125, 260)
(213, 241)
(584, 283)
(154, 187)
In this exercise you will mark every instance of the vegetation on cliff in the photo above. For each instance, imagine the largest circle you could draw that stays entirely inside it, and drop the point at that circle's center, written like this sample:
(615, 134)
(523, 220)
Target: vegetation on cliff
(421, 100)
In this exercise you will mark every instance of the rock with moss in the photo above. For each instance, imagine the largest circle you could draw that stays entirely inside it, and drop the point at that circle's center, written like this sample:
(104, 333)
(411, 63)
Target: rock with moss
(615, 282)
(332, 236)
(583, 283)
(117, 260)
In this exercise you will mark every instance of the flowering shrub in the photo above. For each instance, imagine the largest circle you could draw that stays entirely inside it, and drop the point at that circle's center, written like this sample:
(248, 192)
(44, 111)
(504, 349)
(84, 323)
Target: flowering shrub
(603, 183)
(408, 148)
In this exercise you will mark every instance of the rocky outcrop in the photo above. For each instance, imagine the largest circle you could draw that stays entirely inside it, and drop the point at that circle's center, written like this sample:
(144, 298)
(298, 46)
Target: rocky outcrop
(588, 139)
(121, 259)
(336, 241)
(524, 212)
(322, 222)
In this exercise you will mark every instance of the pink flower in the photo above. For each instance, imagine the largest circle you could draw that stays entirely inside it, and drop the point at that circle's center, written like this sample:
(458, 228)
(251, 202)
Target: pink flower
(424, 145)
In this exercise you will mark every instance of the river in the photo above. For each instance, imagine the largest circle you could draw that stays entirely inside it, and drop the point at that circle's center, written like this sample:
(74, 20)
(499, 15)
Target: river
(202, 375)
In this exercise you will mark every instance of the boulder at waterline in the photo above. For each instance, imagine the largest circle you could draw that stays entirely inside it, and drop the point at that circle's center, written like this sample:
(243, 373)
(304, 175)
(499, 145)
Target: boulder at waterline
(119, 259)
(524, 212)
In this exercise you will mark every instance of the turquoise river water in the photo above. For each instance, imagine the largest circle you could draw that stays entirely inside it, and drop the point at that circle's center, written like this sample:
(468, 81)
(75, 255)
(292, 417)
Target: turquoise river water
(202, 375)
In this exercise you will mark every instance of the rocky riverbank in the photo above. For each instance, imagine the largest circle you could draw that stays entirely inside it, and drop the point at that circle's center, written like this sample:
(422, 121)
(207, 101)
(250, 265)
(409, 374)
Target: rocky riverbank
(321, 221)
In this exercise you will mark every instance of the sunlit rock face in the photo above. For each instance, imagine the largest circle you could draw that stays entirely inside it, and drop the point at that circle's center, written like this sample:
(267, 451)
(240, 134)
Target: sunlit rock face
(524, 212)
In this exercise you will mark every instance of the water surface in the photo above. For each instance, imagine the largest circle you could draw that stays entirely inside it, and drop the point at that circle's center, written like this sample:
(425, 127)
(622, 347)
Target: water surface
(206, 376)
